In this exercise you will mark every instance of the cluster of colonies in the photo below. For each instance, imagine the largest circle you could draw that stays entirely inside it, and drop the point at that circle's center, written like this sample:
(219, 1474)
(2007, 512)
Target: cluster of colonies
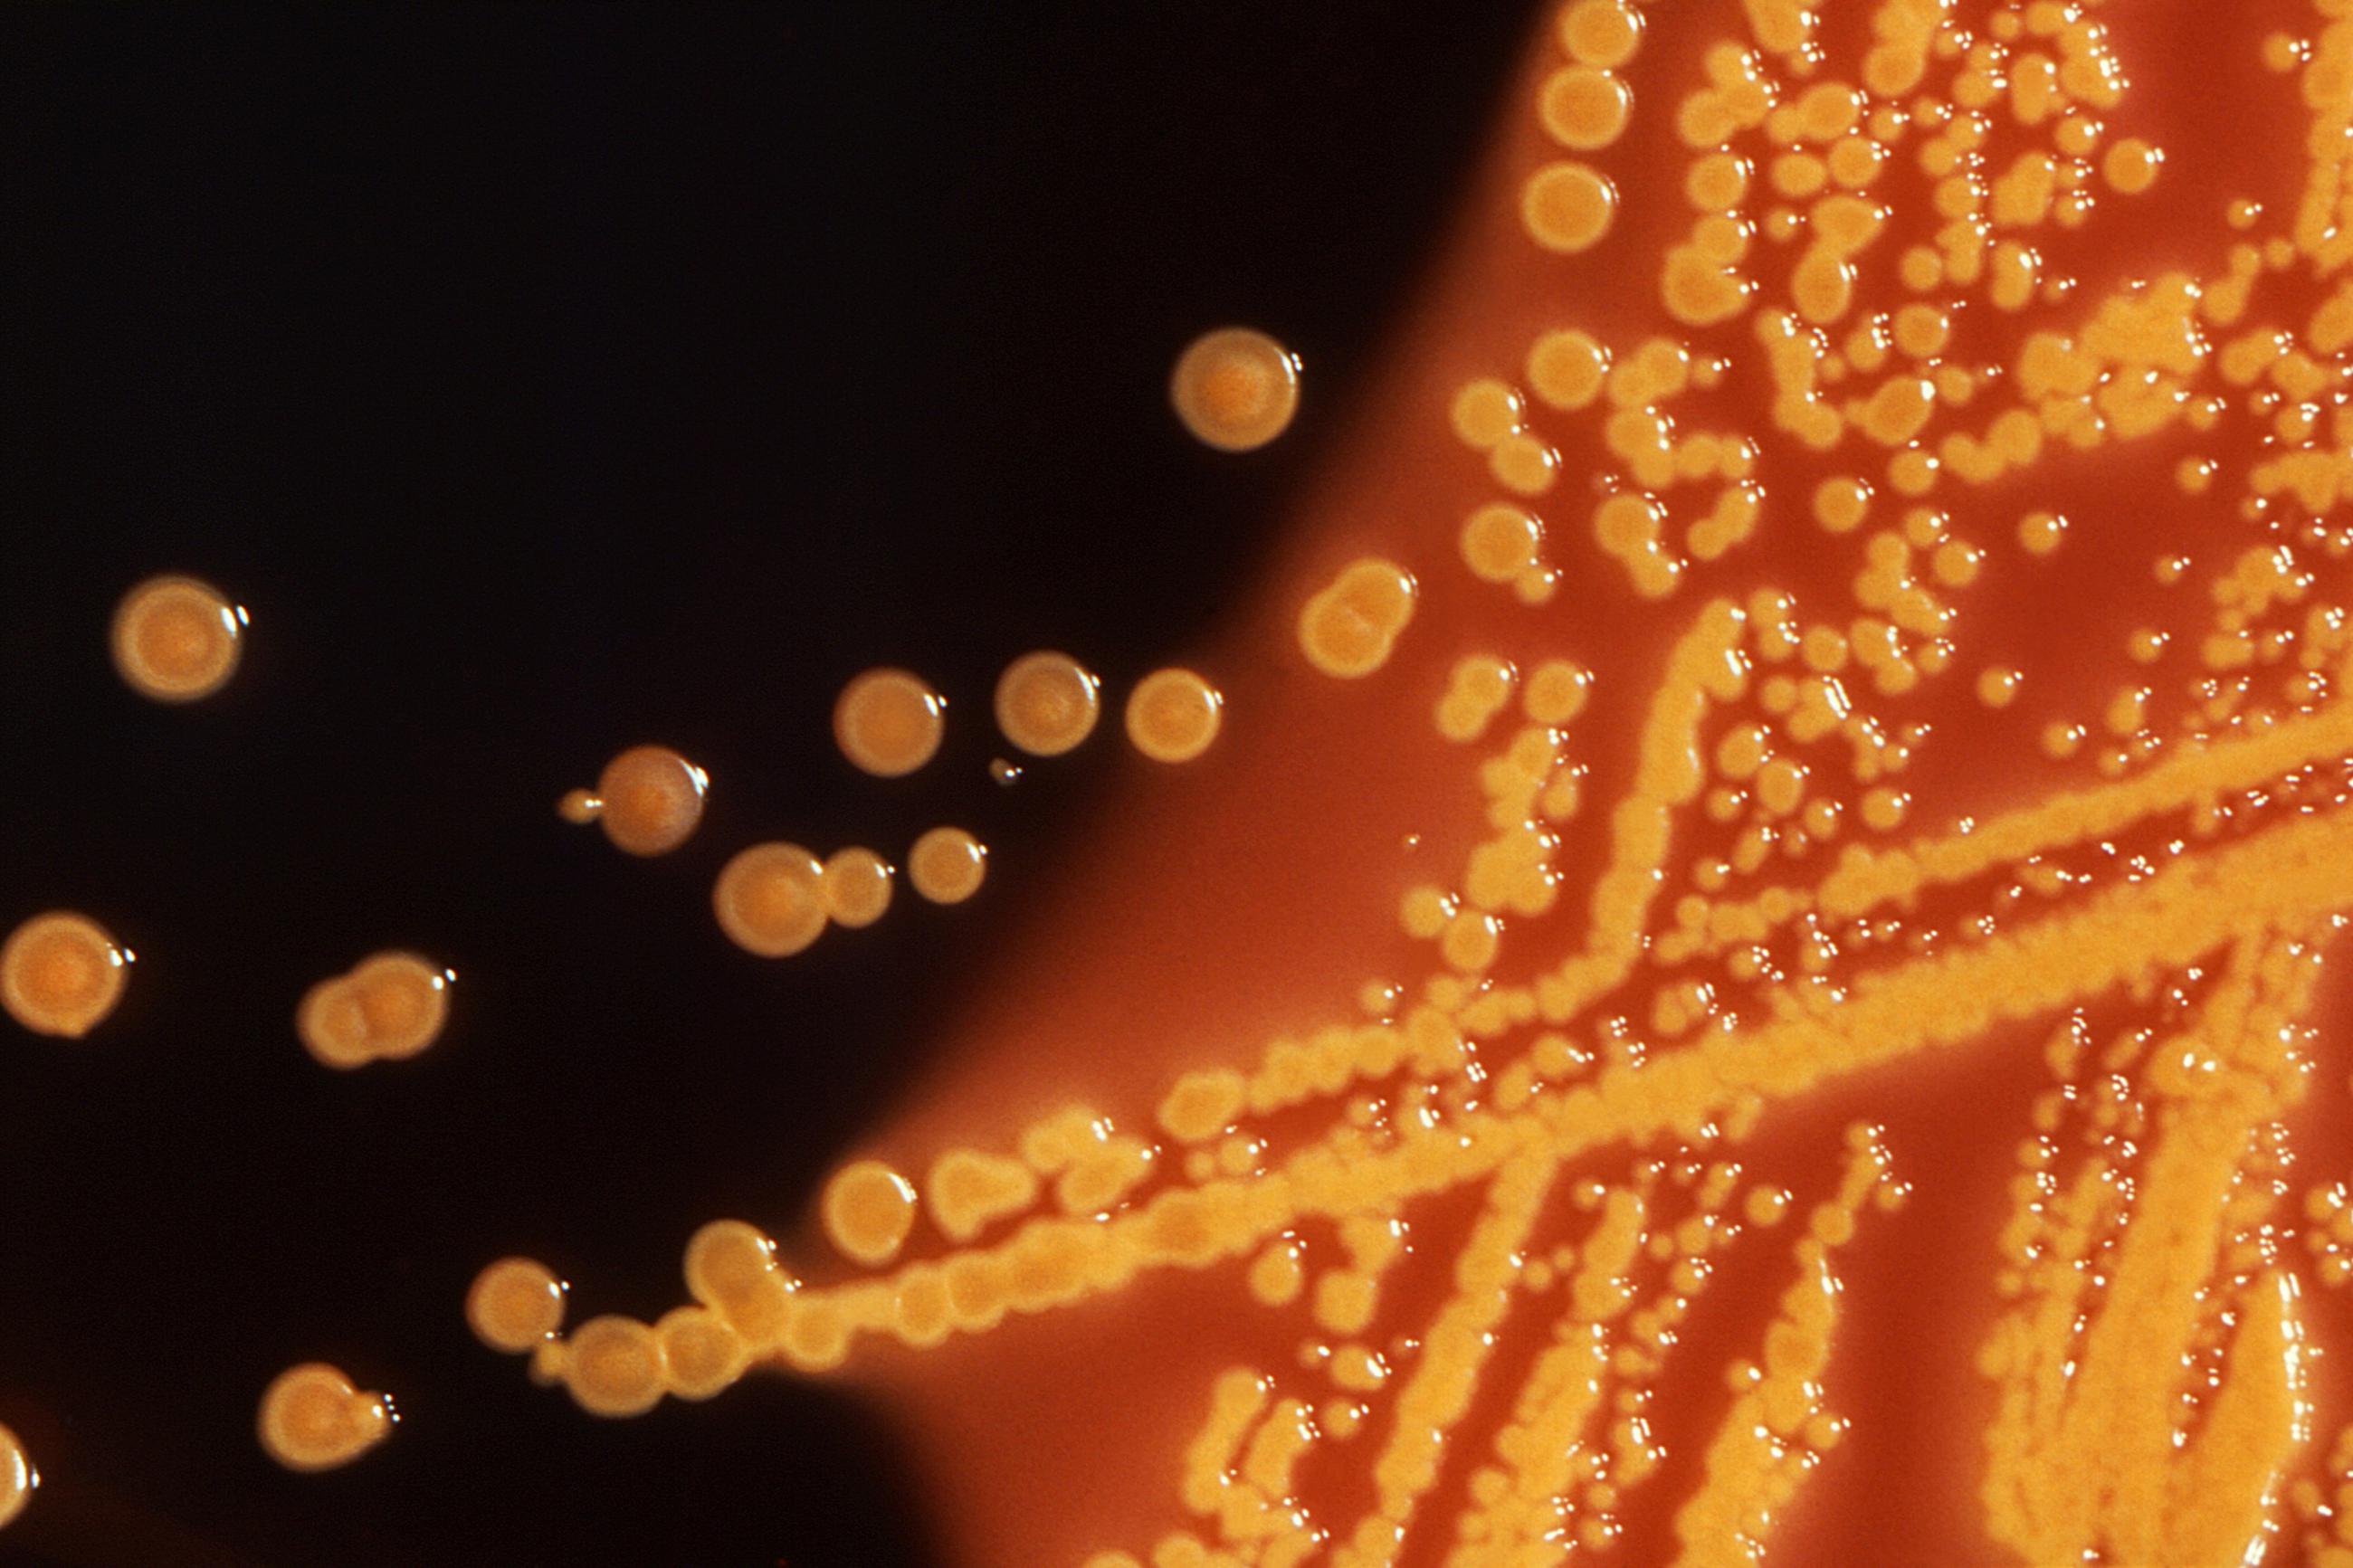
(775, 898)
(388, 1008)
(1998, 679)
(175, 639)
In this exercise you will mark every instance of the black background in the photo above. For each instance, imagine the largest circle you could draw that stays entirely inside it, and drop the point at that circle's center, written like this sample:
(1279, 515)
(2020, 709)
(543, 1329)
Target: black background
(547, 379)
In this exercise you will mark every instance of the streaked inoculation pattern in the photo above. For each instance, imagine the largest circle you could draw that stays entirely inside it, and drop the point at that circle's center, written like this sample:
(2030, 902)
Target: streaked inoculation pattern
(1892, 644)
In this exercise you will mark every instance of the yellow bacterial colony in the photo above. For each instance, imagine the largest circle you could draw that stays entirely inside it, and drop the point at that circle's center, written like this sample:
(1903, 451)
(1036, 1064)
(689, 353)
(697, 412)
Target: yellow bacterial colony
(1350, 628)
(857, 884)
(1892, 621)
(313, 1419)
(1173, 715)
(771, 899)
(1047, 703)
(946, 865)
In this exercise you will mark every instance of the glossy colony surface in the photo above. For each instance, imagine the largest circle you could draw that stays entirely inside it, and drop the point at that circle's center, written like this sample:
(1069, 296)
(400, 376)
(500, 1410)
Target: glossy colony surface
(647, 799)
(311, 1418)
(177, 638)
(61, 974)
(1746, 981)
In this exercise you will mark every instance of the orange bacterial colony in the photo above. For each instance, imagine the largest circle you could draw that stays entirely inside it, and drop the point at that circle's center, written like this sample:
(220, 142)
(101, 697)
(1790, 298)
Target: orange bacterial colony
(176, 640)
(60, 974)
(1047, 703)
(313, 1419)
(649, 801)
(389, 1007)
(1748, 983)
(889, 722)
(515, 1305)
(771, 899)
(1235, 388)
(18, 1477)
(946, 865)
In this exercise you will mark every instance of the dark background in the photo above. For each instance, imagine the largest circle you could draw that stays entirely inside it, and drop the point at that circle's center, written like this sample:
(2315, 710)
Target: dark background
(546, 379)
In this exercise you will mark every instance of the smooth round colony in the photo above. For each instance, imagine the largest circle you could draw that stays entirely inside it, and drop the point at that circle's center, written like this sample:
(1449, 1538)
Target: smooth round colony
(649, 800)
(313, 1419)
(60, 975)
(857, 885)
(1500, 542)
(1747, 757)
(770, 899)
(176, 638)
(946, 865)
(1047, 703)
(1599, 32)
(1567, 206)
(702, 1353)
(1583, 107)
(515, 1305)
(868, 1209)
(405, 1001)
(389, 1007)
(18, 1479)
(889, 722)
(1173, 715)
(1235, 388)
(329, 1023)
(613, 1367)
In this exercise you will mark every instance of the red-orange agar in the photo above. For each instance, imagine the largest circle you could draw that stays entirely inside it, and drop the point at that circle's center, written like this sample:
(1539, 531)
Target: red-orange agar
(1757, 992)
